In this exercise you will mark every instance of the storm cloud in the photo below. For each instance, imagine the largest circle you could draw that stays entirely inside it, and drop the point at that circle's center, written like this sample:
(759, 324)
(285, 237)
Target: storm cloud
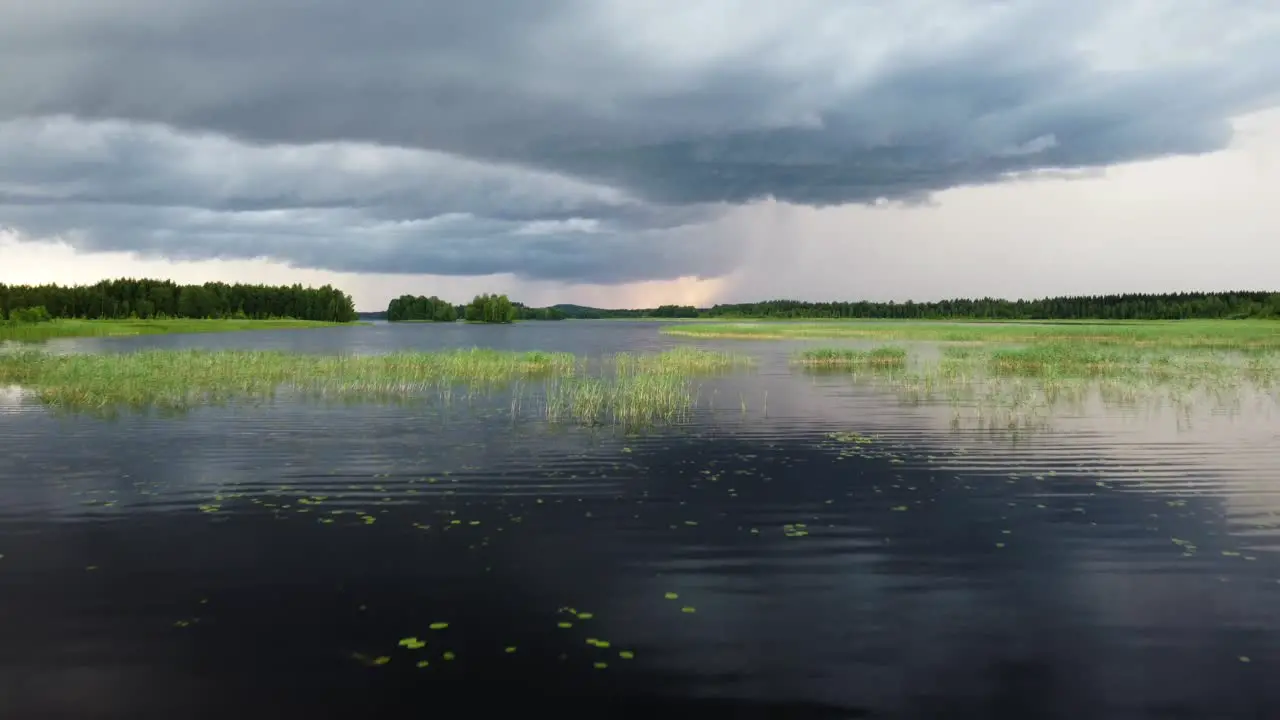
(571, 139)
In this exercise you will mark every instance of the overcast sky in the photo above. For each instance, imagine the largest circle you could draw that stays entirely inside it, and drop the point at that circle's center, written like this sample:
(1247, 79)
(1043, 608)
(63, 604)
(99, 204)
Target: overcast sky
(637, 152)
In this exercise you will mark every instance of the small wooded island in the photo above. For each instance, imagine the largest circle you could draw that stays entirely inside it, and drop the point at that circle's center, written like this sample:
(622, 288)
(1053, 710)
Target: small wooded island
(484, 308)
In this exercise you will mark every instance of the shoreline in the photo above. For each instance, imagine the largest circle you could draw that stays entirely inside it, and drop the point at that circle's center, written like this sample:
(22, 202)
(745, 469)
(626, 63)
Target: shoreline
(72, 328)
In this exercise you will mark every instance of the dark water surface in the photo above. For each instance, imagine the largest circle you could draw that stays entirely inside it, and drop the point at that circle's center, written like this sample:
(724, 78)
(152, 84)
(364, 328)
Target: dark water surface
(267, 560)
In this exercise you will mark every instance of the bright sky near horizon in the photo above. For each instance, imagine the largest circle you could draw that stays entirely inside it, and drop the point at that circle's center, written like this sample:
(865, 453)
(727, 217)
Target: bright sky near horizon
(641, 152)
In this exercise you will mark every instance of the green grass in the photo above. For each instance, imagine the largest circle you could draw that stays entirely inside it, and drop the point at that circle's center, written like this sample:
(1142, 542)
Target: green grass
(888, 356)
(1222, 334)
(173, 379)
(35, 332)
(641, 389)
(631, 400)
(652, 319)
(1134, 363)
(1019, 388)
(680, 361)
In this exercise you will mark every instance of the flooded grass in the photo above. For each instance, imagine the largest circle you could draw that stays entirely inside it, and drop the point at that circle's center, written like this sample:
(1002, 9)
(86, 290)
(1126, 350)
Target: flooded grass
(36, 332)
(1221, 334)
(165, 378)
(642, 389)
(1136, 363)
(1020, 388)
(630, 400)
(839, 357)
(682, 360)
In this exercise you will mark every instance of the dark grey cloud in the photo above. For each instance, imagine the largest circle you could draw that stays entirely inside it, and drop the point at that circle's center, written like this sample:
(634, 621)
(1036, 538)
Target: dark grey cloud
(576, 139)
(112, 185)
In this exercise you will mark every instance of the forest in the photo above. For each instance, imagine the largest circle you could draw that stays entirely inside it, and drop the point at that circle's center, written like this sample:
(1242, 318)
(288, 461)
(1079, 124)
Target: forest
(483, 308)
(1167, 306)
(488, 308)
(1164, 306)
(418, 308)
(146, 299)
(581, 312)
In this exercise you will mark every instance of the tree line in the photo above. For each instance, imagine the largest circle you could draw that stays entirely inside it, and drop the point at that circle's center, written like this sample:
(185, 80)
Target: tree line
(1136, 306)
(484, 308)
(1132, 306)
(580, 312)
(145, 299)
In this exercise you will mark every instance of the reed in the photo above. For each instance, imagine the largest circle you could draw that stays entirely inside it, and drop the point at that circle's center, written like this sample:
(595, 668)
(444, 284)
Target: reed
(643, 390)
(631, 400)
(168, 378)
(1021, 387)
(886, 357)
(679, 361)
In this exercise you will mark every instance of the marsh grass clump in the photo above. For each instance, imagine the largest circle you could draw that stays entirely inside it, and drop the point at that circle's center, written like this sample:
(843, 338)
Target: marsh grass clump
(629, 400)
(638, 389)
(1062, 362)
(1051, 361)
(963, 352)
(679, 361)
(1002, 387)
(163, 378)
(889, 357)
(644, 390)
(1263, 371)
(1058, 359)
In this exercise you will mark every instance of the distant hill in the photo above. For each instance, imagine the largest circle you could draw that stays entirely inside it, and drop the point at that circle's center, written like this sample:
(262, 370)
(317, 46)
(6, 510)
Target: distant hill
(582, 312)
(579, 311)
(380, 315)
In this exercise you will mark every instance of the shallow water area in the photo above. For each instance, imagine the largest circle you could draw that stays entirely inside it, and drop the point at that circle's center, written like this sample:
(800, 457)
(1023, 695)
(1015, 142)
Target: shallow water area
(803, 545)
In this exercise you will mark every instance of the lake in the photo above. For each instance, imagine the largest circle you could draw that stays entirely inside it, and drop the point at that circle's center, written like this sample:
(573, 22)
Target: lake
(804, 546)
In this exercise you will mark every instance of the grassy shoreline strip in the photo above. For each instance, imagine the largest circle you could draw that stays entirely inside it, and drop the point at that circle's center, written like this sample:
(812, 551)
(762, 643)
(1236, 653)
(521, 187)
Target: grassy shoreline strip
(65, 328)
(1204, 334)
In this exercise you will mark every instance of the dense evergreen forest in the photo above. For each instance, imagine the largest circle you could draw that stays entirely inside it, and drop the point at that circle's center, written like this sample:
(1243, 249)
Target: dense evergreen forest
(483, 308)
(1170, 306)
(410, 307)
(488, 308)
(129, 298)
(144, 298)
(1166, 306)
